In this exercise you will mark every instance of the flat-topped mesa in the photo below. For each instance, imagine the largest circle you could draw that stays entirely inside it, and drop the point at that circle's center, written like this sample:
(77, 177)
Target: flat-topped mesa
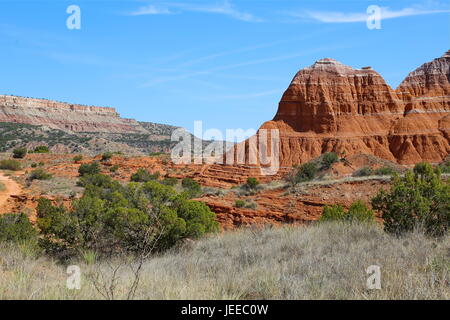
(65, 116)
(330, 97)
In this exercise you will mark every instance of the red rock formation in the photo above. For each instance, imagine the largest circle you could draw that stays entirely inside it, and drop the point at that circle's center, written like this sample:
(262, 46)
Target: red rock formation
(332, 107)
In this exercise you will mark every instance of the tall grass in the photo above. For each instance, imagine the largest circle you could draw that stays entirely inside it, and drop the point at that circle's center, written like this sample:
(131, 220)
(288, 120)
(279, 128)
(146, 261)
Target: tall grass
(323, 261)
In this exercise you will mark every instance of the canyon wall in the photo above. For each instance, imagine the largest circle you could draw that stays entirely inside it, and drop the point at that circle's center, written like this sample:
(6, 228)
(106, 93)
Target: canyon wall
(65, 116)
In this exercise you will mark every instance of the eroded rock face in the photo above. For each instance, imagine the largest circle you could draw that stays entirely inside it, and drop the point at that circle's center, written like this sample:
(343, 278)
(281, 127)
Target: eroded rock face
(333, 107)
(64, 116)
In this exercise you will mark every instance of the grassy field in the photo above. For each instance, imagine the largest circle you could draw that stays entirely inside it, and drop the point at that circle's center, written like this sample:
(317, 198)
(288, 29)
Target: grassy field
(323, 261)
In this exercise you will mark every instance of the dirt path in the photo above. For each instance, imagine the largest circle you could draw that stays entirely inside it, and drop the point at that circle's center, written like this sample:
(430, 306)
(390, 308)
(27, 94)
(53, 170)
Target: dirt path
(12, 188)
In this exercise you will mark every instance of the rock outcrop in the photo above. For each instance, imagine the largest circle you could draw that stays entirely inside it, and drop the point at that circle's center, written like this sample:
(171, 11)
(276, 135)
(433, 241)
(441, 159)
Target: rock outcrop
(65, 116)
(331, 107)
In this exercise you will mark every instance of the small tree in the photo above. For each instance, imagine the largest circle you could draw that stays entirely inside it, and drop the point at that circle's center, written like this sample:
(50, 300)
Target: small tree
(78, 158)
(419, 198)
(20, 153)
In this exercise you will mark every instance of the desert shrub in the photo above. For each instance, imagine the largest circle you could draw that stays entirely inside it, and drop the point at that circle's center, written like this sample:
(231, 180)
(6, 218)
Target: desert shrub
(358, 212)
(191, 187)
(41, 149)
(143, 175)
(112, 218)
(306, 172)
(77, 158)
(419, 198)
(445, 166)
(252, 183)
(20, 153)
(328, 159)
(385, 171)
(16, 228)
(364, 172)
(169, 181)
(107, 156)
(89, 168)
(41, 164)
(39, 174)
(10, 164)
(156, 154)
(333, 213)
(34, 165)
(239, 203)
(114, 168)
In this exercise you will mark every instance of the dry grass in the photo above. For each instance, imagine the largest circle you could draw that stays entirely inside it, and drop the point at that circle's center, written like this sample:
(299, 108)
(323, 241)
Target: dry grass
(324, 261)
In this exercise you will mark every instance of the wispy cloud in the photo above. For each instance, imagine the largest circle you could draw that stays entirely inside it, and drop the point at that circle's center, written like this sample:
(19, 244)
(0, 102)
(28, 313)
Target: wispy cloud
(151, 9)
(344, 17)
(225, 8)
(187, 75)
(247, 95)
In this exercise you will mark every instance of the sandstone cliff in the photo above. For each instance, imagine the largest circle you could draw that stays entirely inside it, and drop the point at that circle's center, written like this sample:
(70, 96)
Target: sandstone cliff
(333, 107)
(65, 116)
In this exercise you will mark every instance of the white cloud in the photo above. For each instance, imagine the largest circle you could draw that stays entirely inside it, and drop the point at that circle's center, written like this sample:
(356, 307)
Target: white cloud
(342, 17)
(226, 8)
(147, 10)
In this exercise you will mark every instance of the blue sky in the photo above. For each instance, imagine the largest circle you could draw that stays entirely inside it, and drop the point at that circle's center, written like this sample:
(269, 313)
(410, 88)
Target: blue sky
(226, 63)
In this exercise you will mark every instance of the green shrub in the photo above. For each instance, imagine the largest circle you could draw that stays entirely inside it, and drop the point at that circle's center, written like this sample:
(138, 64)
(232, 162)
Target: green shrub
(385, 171)
(16, 228)
(364, 172)
(239, 203)
(41, 164)
(306, 172)
(419, 198)
(10, 164)
(143, 175)
(169, 181)
(252, 183)
(20, 153)
(111, 218)
(89, 168)
(191, 187)
(39, 174)
(328, 159)
(78, 158)
(34, 165)
(334, 213)
(114, 168)
(107, 156)
(445, 166)
(41, 149)
(358, 212)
